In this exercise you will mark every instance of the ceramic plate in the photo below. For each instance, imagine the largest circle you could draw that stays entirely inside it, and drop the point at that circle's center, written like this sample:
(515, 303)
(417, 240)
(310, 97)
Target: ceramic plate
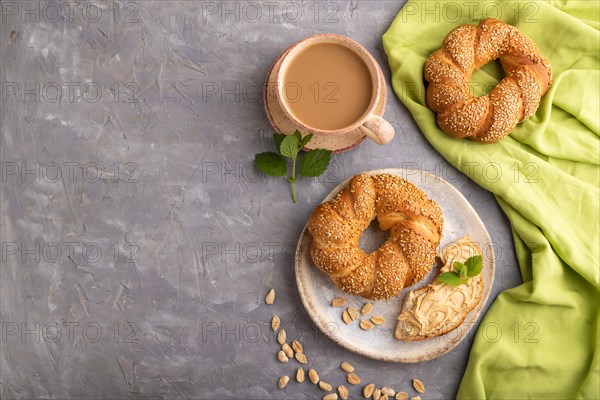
(317, 290)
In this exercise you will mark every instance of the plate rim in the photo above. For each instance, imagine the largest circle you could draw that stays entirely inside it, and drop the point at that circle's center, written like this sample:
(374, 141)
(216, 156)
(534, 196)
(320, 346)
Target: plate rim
(402, 172)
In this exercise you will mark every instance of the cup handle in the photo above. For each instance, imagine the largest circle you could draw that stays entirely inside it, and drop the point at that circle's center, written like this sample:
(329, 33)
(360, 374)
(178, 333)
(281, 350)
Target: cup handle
(378, 129)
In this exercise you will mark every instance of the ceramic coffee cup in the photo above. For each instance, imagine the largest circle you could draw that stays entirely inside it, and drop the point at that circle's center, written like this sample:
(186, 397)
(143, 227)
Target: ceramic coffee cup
(333, 90)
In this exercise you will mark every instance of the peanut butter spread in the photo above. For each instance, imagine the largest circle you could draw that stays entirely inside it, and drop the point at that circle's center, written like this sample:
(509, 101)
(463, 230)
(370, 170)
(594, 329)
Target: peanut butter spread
(428, 310)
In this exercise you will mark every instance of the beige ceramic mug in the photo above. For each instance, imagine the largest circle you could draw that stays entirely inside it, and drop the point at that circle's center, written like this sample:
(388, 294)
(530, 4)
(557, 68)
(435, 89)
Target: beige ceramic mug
(330, 85)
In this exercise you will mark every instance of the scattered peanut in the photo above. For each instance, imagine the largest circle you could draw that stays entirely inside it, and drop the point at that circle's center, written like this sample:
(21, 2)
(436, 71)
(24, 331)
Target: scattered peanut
(353, 312)
(270, 299)
(281, 336)
(401, 396)
(353, 379)
(346, 317)
(297, 347)
(283, 381)
(301, 358)
(367, 308)
(366, 325)
(377, 394)
(313, 376)
(300, 375)
(418, 385)
(275, 322)
(282, 357)
(388, 391)
(337, 302)
(347, 367)
(377, 319)
(287, 350)
(343, 392)
(325, 386)
(368, 390)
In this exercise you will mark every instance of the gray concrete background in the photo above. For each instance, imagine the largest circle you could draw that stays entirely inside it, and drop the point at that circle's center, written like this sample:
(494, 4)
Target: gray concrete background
(138, 241)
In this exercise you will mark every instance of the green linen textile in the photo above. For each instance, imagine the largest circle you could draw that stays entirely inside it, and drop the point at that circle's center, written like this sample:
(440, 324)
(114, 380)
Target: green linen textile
(541, 338)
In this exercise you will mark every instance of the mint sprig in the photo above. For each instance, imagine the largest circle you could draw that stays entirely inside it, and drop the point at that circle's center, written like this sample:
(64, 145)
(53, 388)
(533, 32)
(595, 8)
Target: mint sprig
(462, 272)
(312, 164)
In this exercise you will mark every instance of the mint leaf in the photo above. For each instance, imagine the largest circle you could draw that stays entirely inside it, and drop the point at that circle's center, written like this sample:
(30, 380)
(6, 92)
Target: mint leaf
(290, 146)
(475, 265)
(315, 162)
(450, 278)
(271, 163)
(458, 266)
(298, 135)
(305, 140)
(278, 137)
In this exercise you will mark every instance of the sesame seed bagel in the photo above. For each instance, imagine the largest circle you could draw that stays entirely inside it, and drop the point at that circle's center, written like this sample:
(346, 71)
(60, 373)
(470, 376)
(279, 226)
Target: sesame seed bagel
(415, 223)
(516, 97)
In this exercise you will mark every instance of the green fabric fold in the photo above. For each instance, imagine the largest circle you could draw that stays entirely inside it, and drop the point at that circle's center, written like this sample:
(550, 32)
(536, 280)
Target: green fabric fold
(540, 339)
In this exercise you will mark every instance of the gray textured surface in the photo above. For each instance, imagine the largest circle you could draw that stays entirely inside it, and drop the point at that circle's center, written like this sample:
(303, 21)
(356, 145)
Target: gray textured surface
(168, 179)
